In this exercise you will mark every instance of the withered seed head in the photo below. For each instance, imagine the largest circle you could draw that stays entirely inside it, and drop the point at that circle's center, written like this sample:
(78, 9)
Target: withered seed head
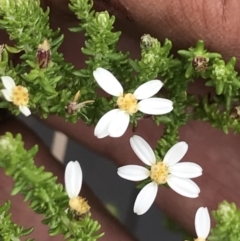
(200, 63)
(235, 113)
(147, 41)
(43, 55)
(74, 106)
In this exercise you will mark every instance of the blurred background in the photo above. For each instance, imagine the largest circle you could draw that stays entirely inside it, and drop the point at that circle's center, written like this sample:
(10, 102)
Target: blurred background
(117, 194)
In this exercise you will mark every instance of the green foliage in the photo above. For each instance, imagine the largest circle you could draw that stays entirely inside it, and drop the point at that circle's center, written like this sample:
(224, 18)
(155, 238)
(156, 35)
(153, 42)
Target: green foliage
(227, 217)
(45, 195)
(10, 231)
(53, 83)
(53, 87)
(28, 25)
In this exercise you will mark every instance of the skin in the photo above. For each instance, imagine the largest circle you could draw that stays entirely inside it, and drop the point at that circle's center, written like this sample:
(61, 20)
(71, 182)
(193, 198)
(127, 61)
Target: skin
(184, 22)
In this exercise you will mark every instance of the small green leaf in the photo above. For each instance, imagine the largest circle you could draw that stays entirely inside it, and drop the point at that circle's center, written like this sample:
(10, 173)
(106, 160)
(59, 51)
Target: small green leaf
(214, 56)
(236, 82)
(49, 88)
(185, 53)
(3, 64)
(55, 109)
(28, 195)
(32, 75)
(81, 73)
(54, 231)
(164, 119)
(225, 129)
(219, 87)
(75, 29)
(56, 79)
(88, 51)
(5, 55)
(45, 175)
(58, 41)
(189, 72)
(16, 189)
(113, 56)
(134, 65)
(31, 64)
(27, 231)
(209, 83)
(231, 63)
(13, 50)
(200, 46)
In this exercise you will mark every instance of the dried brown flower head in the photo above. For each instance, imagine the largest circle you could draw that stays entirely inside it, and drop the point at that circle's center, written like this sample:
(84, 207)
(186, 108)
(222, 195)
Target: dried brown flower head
(43, 55)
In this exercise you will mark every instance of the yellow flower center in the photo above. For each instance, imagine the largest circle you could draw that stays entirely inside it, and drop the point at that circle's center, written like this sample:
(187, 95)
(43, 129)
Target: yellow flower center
(79, 205)
(159, 173)
(20, 95)
(128, 103)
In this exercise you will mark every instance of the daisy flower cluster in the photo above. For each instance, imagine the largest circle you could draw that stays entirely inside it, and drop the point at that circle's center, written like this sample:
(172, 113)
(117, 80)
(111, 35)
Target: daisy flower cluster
(168, 171)
(158, 172)
(155, 172)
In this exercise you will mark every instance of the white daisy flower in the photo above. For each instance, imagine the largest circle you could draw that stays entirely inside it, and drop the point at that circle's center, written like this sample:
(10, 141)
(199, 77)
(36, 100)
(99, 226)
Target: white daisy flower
(115, 122)
(169, 171)
(202, 224)
(16, 94)
(73, 184)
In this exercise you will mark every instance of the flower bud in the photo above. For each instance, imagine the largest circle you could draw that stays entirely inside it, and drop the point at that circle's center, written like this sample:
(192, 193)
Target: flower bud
(103, 18)
(43, 55)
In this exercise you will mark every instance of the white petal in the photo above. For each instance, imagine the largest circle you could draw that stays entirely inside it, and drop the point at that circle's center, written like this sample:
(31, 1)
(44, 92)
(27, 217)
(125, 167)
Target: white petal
(145, 198)
(73, 179)
(133, 172)
(8, 82)
(119, 124)
(108, 82)
(7, 94)
(155, 106)
(148, 89)
(202, 223)
(101, 129)
(175, 153)
(183, 186)
(143, 150)
(186, 170)
(25, 110)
